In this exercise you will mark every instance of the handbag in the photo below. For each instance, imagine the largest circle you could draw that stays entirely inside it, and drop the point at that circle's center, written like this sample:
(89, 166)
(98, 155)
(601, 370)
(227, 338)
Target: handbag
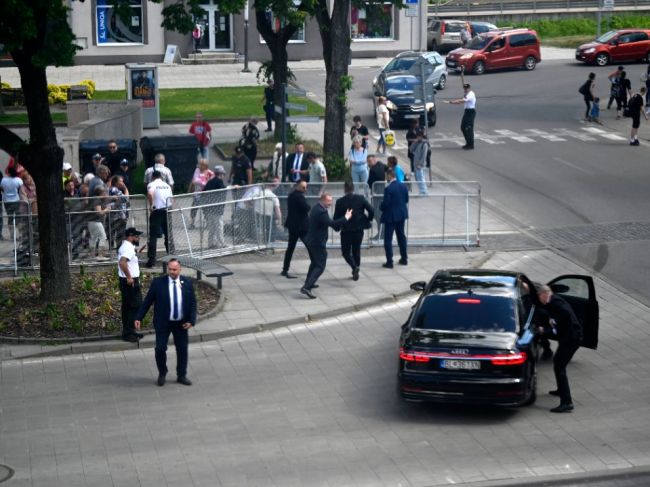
(389, 138)
(626, 112)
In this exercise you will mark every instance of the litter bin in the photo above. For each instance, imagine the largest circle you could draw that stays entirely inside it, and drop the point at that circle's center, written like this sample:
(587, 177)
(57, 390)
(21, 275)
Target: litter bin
(126, 149)
(180, 156)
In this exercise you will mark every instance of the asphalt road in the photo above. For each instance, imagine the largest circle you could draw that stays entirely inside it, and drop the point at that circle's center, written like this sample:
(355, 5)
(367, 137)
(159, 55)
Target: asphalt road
(578, 186)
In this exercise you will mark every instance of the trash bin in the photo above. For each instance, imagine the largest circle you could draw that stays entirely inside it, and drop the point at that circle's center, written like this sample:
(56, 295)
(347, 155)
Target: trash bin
(180, 156)
(126, 149)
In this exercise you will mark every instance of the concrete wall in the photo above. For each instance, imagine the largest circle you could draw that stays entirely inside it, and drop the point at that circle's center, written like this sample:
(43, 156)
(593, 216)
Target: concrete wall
(100, 120)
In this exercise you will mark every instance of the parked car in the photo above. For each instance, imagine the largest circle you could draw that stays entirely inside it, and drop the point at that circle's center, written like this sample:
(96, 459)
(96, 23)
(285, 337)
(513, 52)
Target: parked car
(616, 46)
(471, 336)
(444, 35)
(400, 82)
(497, 50)
(481, 27)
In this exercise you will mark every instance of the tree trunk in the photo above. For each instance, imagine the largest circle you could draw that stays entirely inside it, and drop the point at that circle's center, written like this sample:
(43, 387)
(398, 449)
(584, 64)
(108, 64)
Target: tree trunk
(335, 36)
(43, 158)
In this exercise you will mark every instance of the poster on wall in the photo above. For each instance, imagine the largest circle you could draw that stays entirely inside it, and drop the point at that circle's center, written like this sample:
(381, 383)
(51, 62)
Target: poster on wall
(143, 86)
(115, 30)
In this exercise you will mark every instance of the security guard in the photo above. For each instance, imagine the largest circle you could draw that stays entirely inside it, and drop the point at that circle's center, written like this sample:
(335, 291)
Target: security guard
(129, 274)
(159, 195)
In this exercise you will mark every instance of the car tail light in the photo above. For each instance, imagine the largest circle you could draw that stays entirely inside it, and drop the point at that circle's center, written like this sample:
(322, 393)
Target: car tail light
(442, 28)
(468, 301)
(509, 359)
(413, 356)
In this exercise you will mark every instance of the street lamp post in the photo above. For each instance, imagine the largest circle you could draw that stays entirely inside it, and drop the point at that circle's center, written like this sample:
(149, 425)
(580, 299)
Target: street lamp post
(246, 70)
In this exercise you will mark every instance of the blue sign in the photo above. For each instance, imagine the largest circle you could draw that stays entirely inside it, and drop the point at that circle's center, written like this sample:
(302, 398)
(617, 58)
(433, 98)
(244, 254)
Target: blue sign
(412, 1)
(102, 25)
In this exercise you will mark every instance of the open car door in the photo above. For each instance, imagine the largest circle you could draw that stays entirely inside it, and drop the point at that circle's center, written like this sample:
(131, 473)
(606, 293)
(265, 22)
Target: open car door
(580, 293)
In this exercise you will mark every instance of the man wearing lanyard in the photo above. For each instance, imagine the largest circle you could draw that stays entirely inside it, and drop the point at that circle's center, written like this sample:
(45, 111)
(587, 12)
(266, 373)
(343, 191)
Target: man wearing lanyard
(129, 274)
(159, 194)
(467, 123)
(174, 313)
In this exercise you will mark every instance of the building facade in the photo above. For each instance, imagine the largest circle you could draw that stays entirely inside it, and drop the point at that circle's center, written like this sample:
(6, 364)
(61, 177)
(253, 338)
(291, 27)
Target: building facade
(105, 38)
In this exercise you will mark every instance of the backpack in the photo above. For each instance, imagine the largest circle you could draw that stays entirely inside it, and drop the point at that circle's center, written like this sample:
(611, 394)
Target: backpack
(584, 87)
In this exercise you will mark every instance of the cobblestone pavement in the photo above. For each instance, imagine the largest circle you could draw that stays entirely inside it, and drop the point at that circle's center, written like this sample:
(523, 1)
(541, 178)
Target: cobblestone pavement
(315, 404)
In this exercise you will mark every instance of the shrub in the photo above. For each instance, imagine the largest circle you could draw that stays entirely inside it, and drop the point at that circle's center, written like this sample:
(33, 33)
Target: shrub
(90, 85)
(336, 169)
(5, 85)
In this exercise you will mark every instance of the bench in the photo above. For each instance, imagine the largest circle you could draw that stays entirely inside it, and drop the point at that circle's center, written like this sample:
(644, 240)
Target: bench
(210, 269)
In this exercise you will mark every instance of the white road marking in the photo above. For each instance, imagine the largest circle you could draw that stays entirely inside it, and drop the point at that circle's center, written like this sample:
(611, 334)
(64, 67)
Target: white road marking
(522, 138)
(613, 136)
(593, 130)
(570, 164)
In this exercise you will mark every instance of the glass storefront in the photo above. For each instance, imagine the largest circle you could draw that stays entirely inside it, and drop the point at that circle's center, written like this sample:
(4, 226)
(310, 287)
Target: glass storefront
(373, 21)
(113, 30)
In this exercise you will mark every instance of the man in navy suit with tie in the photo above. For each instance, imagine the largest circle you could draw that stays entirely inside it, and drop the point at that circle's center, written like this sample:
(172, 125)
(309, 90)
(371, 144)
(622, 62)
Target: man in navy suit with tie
(394, 213)
(174, 313)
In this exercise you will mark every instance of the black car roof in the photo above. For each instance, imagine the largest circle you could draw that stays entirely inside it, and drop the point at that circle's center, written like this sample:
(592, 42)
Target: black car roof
(483, 281)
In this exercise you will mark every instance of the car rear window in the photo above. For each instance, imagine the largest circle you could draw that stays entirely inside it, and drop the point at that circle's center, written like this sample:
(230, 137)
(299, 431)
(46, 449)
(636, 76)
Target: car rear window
(467, 312)
(520, 40)
(399, 64)
(453, 27)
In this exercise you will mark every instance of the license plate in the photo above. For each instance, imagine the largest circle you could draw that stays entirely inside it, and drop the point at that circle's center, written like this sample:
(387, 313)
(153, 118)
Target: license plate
(460, 364)
(411, 116)
(451, 63)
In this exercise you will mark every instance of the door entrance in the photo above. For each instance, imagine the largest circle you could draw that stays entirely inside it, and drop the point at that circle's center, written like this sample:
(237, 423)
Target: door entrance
(217, 29)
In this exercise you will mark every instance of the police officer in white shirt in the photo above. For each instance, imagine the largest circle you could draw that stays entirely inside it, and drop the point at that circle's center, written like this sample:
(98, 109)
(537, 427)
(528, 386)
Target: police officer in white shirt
(129, 274)
(159, 165)
(159, 194)
(469, 114)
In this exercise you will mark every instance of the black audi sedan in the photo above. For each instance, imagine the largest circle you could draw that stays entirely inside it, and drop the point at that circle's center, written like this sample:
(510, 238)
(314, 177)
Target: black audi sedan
(471, 336)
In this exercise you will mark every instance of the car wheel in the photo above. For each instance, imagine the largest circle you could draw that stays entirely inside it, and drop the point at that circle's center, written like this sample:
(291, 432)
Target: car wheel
(532, 389)
(479, 67)
(602, 59)
(431, 119)
(442, 82)
(530, 63)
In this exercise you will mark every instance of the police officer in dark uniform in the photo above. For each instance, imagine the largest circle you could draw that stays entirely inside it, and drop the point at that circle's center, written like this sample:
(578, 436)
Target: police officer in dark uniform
(567, 330)
(297, 223)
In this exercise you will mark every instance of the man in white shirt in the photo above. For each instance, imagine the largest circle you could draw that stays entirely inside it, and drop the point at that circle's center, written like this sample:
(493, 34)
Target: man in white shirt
(469, 114)
(383, 123)
(159, 165)
(129, 273)
(159, 195)
(297, 167)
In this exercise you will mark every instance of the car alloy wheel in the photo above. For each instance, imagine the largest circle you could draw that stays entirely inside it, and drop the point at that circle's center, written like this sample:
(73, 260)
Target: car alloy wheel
(479, 67)
(530, 63)
(442, 82)
(602, 59)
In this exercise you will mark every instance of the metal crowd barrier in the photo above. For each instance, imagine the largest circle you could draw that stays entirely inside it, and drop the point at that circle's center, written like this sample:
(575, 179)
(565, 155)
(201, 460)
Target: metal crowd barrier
(467, 7)
(238, 219)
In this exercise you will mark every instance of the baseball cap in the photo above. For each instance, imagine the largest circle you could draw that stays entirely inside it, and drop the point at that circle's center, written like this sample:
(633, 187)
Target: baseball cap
(132, 232)
(97, 156)
(67, 166)
(219, 170)
(124, 162)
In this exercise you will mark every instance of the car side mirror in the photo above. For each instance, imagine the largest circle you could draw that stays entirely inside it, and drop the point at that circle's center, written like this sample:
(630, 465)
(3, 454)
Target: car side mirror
(418, 286)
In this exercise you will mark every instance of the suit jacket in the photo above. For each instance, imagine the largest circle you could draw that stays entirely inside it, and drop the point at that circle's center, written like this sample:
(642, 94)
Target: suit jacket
(319, 223)
(567, 326)
(304, 166)
(297, 213)
(394, 206)
(158, 295)
(362, 212)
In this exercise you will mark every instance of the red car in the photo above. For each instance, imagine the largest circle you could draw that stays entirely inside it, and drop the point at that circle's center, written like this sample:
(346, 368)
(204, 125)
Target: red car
(616, 46)
(516, 48)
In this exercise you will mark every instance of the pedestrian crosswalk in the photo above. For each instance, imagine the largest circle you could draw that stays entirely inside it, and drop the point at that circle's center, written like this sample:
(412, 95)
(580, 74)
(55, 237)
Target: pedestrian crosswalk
(524, 136)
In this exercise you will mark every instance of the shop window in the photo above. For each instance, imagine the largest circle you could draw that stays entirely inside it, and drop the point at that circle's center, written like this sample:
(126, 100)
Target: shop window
(277, 23)
(373, 21)
(119, 31)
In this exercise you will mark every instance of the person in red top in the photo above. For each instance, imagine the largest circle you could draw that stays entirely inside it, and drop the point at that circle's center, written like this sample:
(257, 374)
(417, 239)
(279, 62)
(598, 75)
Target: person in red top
(203, 133)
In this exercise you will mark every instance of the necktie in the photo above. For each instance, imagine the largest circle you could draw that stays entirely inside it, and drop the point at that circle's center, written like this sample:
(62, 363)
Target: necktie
(175, 314)
(296, 175)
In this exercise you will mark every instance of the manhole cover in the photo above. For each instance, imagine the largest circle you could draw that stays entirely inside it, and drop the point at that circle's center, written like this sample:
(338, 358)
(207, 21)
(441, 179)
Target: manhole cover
(5, 473)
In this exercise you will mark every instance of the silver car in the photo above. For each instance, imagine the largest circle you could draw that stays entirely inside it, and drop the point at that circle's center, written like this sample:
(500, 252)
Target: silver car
(444, 35)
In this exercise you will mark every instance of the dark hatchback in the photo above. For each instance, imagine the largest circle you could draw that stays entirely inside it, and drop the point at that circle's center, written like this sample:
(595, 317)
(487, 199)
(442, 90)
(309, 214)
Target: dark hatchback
(471, 336)
(400, 82)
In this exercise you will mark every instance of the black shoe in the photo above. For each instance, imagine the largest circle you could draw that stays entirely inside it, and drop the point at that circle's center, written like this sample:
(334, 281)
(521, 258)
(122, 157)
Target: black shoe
(554, 393)
(387, 265)
(635, 142)
(547, 354)
(287, 275)
(184, 380)
(314, 286)
(563, 408)
(161, 379)
(468, 147)
(403, 262)
(149, 265)
(139, 335)
(307, 292)
(268, 130)
(355, 274)
(131, 338)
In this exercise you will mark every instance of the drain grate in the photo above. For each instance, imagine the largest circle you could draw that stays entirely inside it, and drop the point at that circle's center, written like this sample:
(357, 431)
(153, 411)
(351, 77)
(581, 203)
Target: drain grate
(5, 473)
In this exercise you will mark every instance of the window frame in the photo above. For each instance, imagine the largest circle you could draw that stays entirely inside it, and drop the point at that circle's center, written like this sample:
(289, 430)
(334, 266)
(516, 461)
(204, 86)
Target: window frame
(107, 5)
(374, 39)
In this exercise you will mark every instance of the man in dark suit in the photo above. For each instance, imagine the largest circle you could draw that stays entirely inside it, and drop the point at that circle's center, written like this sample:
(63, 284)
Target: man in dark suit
(352, 230)
(296, 165)
(297, 223)
(567, 330)
(394, 213)
(316, 240)
(174, 313)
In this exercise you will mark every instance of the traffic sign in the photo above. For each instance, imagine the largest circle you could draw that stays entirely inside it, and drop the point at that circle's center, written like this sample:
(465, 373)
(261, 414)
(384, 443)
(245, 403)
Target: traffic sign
(303, 119)
(296, 91)
(608, 5)
(296, 106)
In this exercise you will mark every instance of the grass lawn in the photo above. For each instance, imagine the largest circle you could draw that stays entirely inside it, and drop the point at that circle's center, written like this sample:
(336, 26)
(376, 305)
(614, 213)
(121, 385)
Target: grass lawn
(12, 118)
(214, 103)
(567, 41)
